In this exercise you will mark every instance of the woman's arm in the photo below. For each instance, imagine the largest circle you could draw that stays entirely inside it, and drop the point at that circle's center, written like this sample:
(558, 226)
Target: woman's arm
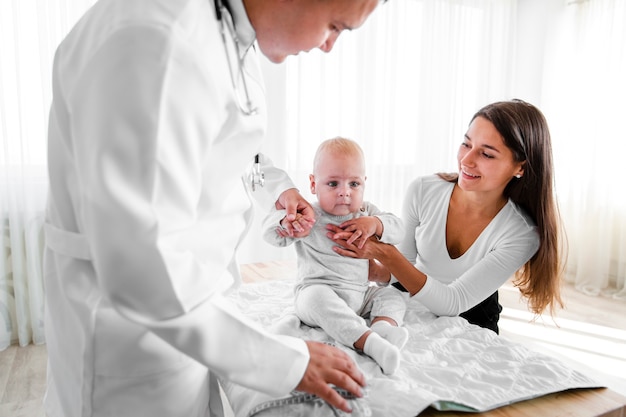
(378, 272)
(482, 276)
(388, 255)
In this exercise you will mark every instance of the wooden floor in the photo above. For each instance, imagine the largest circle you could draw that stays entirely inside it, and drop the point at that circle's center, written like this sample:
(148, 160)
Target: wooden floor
(22, 381)
(589, 335)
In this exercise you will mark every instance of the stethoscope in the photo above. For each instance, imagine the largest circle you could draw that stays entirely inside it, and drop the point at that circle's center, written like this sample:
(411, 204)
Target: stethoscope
(226, 21)
(257, 177)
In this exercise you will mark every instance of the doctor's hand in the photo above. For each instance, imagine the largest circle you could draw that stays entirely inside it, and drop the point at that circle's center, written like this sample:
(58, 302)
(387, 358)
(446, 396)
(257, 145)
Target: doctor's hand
(330, 365)
(300, 215)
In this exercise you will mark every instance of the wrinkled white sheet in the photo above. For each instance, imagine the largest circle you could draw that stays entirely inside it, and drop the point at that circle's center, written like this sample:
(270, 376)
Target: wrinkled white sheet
(447, 363)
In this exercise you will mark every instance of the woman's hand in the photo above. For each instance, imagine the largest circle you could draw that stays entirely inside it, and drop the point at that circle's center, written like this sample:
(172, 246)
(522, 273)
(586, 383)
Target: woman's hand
(390, 258)
(362, 228)
(371, 248)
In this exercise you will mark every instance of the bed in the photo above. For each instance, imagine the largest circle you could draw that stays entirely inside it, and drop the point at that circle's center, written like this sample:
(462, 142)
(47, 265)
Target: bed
(448, 364)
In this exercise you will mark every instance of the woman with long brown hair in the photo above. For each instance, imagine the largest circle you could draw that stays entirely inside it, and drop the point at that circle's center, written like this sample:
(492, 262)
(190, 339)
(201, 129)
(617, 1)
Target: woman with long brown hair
(468, 232)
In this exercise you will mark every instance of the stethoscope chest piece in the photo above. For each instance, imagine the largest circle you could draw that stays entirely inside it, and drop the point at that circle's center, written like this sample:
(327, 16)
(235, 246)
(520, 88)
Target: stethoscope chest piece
(257, 177)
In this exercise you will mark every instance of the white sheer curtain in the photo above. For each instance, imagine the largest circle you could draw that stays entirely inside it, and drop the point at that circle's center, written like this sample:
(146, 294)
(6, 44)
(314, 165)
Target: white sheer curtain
(404, 86)
(29, 33)
(584, 100)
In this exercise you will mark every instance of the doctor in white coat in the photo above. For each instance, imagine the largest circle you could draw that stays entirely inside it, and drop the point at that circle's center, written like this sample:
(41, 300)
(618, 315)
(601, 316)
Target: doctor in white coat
(158, 111)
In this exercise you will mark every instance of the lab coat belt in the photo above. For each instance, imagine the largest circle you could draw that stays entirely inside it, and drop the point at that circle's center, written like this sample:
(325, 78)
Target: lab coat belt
(67, 243)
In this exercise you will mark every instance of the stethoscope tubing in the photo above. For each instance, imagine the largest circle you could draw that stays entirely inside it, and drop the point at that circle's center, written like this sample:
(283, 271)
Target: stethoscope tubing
(257, 177)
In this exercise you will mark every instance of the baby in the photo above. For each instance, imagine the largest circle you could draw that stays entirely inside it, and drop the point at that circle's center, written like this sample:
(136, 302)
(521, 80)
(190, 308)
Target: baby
(333, 292)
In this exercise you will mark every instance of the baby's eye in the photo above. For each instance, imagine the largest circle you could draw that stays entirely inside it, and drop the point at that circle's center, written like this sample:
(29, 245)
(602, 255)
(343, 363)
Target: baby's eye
(332, 183)
(355, 184)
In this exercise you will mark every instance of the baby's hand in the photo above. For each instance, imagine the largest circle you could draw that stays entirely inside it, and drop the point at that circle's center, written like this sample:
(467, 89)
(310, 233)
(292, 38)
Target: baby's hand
(300, 227)
(362, 229)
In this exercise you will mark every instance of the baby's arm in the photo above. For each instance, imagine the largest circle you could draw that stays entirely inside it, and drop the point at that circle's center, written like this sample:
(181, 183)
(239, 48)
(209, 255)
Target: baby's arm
(271, 226)
(283, 231)
(275, 230)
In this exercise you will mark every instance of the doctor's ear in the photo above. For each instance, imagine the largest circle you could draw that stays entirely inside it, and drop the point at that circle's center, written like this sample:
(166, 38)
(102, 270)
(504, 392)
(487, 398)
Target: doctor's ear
(312, 183)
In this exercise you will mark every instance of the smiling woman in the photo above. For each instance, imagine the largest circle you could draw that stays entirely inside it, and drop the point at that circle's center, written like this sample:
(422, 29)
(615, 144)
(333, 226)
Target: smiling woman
(435, 62)
(493, 223)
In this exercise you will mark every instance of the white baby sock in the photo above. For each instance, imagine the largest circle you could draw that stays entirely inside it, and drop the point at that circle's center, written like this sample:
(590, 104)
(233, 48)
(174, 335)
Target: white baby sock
(397, 336)
(386, 355)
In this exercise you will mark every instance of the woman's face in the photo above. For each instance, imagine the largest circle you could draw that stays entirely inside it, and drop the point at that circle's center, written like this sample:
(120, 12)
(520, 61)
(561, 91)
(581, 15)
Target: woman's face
(486, 164)
(302, 25)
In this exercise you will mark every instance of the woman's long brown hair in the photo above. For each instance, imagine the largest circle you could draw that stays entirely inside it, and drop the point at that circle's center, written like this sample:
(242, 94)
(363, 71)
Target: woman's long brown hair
(525, 132)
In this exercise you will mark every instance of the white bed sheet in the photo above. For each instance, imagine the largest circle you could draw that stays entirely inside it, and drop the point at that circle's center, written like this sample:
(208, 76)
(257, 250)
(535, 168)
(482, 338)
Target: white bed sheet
(447, 362)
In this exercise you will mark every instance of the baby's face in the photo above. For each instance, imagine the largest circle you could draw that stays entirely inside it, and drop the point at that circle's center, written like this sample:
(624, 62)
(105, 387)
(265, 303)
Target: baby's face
(339, 183)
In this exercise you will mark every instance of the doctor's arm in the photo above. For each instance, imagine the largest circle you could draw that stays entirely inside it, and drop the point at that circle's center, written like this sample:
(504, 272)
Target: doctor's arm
(139, 205)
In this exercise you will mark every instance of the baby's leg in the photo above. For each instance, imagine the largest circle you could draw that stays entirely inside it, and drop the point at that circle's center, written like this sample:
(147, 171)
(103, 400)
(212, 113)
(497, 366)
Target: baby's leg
(319, 305)
(388, 308)
(397, 336)
(386, 355)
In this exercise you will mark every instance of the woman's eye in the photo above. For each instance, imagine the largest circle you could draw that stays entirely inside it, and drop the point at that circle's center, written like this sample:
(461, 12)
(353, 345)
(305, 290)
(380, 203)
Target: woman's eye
(488, 156)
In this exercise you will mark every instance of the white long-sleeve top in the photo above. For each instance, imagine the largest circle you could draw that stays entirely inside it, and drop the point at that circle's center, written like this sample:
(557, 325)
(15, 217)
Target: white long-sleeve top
(456, 285)
(147, 148)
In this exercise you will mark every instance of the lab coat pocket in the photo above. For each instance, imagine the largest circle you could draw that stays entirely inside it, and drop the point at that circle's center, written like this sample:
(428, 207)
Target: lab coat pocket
(179, 392)
(125, 349)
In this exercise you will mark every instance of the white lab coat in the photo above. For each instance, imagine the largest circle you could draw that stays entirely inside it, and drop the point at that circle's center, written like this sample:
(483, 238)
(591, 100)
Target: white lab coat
(147, 148)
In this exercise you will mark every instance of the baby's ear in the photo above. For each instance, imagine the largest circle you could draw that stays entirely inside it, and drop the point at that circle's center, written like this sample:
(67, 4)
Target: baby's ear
(312, 183)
